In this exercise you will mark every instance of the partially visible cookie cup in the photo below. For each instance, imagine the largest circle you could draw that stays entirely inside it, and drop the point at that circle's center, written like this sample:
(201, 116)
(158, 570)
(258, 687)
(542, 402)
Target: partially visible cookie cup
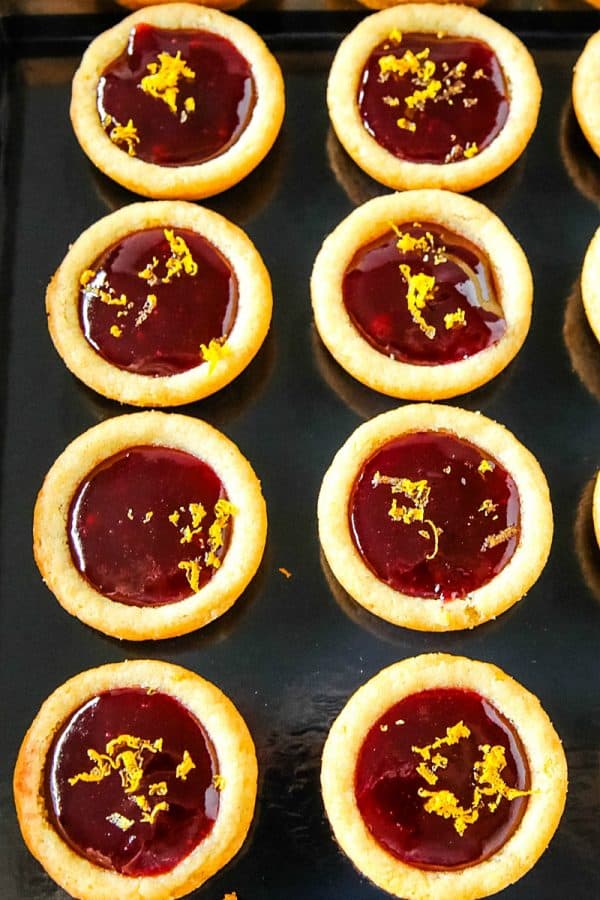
(585, 92)
(519, 70)
(596, 508)
(237, 762)
(190, 182)
(590, 284)
(393, 377)
(433, 613)
(385, 4)
(249, 329)
(215, 4)
(545, 759)
(50, 526)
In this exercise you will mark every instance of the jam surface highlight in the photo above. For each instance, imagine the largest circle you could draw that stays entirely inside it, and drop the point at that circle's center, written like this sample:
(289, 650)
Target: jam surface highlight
(176, 97)
(433, 99)
(441, 779)
(154, 302)
(421, 294)
(432, 516)
(149, 526)
(130, 782)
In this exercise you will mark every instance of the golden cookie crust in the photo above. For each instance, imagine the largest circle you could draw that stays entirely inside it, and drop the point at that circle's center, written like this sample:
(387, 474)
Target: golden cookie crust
(462, 215)
(596, 508)
(385, 4)
(586, 103)
(249, 330)
(179, 182)
(545, 757)
(50, 518)
(590, 284)
(237, 763)
(481, 605)
(519, 70)
(215, 4)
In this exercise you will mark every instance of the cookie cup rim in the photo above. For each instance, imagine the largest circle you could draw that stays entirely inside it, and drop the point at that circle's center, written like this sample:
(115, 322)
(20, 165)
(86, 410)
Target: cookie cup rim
(463, 21)
(429, 614)
(237, 763)
(179, 182)
(545, 757)
(50, 541)
(249, 330)
(467, 217)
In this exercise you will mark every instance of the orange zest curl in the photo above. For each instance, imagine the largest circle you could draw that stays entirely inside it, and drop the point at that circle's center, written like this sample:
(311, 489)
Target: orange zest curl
(163, 81)
(490, 788)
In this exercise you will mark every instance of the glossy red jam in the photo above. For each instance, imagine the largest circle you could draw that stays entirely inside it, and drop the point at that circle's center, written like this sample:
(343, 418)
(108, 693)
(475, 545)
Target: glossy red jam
(461, 315)
(440, 107)
(136, 807)
(393, 782)
(142, 311)
(432, 516)
(136, 526)
(186, 108)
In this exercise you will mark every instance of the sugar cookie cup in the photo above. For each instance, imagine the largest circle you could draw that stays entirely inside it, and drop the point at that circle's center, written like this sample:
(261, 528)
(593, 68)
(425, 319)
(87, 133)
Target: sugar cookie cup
(522, 84)
(540, 744)
(203, 575)
(596, 508)
(585, 92)
(183, 182)
(237, 766)
(590, 284)
(224, 356)
(215, 4)
(511, 281)
(385, 4)
(408, 597)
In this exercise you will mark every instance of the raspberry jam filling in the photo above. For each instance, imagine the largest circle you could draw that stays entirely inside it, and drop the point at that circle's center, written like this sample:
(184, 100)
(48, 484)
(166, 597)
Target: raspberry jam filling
(436, 99)
(421, 294)
(132, 782)
(159, 302)
(442, 779)
(433, 516)
(176, 97)
(150, 526)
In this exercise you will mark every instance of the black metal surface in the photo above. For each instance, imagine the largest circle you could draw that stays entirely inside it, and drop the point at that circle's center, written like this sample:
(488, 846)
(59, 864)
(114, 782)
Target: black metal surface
(291, 651)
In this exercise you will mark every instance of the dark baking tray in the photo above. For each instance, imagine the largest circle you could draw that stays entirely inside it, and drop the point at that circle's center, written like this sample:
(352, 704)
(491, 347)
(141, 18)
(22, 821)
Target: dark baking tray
(291, 651)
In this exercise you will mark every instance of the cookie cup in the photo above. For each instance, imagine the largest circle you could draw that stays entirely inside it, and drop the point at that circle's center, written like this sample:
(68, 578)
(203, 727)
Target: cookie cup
(215, 4)
(253, 317)
(545, 758)
(472, 220)
(590, 284)
(179, 182)
(432, 614)
(596, 508)
(50, 526)
(586, 102)
(237, 763)
(523, 83)
(385, 4)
